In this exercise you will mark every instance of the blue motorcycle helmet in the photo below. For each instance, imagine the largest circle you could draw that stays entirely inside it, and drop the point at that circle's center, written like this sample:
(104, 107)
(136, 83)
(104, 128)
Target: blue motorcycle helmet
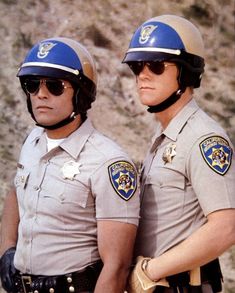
(174, 39)
(67, 59)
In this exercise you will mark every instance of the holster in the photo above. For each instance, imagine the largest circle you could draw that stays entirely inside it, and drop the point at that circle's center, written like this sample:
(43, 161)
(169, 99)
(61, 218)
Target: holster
(209, 273)
(212, 274)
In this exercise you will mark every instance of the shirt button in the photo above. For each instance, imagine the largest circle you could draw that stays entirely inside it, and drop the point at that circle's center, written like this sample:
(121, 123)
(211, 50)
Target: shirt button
(36, 188)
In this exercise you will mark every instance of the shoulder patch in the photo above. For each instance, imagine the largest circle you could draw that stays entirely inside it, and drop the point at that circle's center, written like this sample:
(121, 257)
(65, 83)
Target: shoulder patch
(217, 153)
(123, 177)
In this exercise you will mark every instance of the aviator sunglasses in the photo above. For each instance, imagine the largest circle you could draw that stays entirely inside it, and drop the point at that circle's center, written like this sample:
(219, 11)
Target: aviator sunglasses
(55, 86)
(156, 67)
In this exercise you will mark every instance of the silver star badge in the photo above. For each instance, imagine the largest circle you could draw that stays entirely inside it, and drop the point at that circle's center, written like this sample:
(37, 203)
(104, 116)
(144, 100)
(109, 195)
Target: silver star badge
(169, 153)
(70, 169)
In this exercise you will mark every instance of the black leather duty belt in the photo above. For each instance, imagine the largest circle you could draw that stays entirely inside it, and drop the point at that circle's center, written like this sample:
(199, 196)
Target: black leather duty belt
(76, 282)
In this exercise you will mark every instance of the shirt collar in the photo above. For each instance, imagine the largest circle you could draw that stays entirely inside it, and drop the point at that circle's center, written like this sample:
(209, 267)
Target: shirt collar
(177, 123)
(75, 142)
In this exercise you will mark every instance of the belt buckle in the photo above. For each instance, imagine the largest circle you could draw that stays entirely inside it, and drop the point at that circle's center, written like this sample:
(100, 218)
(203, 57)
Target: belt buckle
(26, 282)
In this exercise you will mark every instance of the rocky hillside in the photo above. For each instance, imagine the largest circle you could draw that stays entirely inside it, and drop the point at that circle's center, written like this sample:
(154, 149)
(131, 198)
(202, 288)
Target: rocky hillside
(105, 27)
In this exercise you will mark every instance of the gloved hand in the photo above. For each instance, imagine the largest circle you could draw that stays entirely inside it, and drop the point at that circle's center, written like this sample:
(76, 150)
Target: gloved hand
(139, 282)
(7, 269)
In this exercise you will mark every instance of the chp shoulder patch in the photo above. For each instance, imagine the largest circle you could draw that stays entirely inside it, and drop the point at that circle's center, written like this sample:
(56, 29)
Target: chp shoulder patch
(217, 153)
(123, 177)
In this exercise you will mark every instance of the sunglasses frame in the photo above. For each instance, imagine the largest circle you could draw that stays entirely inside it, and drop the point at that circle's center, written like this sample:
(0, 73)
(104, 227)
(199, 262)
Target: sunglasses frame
(48, 82)
(156, 67)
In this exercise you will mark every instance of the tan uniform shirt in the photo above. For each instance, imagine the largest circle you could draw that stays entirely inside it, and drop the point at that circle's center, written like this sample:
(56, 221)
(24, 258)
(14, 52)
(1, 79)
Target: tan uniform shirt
(187, 175)
(61, 195)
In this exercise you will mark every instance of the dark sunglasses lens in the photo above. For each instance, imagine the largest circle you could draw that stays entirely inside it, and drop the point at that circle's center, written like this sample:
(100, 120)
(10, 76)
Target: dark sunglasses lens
(32, 85)
(55, 87)
(136, 67)
(156, 67)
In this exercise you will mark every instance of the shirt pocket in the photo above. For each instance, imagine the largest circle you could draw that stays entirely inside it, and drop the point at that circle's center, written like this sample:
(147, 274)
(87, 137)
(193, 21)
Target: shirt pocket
(165, 192)
(64, 202)
(76, 193)
(66, 192)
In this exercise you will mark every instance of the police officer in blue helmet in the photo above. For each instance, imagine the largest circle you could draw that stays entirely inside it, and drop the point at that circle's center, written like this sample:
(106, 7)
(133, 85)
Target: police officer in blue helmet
(157, 43)
(74, 204)
(65, 59)
(187, 214)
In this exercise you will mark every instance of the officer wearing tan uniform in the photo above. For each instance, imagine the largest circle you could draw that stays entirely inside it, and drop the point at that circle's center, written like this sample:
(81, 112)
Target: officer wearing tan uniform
(188, 176)
(70, 223)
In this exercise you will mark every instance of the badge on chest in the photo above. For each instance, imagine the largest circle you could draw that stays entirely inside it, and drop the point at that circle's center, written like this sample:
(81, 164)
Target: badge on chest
(169, 153)
(70, 169)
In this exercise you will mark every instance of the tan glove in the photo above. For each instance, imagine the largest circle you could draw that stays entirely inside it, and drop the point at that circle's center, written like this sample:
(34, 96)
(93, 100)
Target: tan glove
(139, 282)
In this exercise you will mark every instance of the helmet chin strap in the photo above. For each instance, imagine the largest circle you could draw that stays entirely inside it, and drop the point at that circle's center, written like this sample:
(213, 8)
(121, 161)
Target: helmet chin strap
(172, 99)
(168, 102)
(62, 123)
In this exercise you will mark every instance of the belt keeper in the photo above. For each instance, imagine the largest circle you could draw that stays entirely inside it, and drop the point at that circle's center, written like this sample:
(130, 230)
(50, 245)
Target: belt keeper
(26, 282)
(195, 277)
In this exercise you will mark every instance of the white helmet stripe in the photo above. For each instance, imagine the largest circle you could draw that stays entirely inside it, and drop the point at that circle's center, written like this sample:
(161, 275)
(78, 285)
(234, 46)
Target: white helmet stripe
(150, 49)
(43, 64)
